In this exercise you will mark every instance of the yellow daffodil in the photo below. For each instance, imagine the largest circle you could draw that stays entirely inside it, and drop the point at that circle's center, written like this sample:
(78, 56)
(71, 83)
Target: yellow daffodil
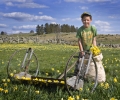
(15, 88)
(77, 97)
(39, 79)
(113, 98)
(11, 74)
(56, 81)
(36, 79)
(2, 62)
(49, 81)
(58, 71)
(3, 80)
(62, 82)
(14, 71)
(25, 91)
(95, 50)
(18, 64)
(37, 92)
(81, 89)
(52, 69)
(27, 78)
(106, 86)
(71, 98)
(44, 81)
(101, 84)
(8, 80)
(115, 80)
(6, 91)
(23, 77)
(5, 84)
(17, 77)
(46, 74)
(61, 98)
(1, 89)
(88, 89)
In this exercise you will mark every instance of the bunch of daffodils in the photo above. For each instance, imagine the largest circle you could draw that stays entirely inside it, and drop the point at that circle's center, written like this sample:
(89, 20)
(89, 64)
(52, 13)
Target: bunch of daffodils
(95, 50)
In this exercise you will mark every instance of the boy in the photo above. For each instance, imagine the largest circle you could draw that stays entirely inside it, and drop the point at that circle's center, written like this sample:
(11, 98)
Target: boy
(86, 34)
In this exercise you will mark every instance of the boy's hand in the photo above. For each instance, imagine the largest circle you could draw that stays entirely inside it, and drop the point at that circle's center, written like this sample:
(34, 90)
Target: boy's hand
(82, 54)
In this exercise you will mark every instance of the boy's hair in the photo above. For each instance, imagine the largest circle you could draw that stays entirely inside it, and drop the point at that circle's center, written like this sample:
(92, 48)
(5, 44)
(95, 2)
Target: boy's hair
(86, 14)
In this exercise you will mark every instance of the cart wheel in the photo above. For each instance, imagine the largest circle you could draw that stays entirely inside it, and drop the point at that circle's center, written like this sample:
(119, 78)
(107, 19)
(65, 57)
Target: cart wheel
(72, 78)
(15, 64)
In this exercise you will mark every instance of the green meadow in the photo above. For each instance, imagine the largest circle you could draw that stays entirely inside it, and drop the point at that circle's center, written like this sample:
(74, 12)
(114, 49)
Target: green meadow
(52, 60)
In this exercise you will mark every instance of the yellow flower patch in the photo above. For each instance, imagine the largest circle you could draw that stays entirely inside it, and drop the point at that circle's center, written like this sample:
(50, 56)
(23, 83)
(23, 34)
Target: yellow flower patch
(95, 50)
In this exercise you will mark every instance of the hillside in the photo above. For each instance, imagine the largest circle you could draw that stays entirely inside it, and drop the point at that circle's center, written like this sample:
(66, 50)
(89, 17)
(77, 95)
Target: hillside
(101, 38)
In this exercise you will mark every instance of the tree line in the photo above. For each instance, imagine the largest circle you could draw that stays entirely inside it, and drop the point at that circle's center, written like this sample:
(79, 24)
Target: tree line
(51, 28)
(3, 33)
(54, 28)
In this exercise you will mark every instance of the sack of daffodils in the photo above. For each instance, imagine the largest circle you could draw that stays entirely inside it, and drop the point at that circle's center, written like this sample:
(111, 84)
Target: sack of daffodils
(97, 55)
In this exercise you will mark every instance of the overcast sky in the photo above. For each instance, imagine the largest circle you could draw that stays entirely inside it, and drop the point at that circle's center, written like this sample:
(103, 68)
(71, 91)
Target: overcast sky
(24, 15)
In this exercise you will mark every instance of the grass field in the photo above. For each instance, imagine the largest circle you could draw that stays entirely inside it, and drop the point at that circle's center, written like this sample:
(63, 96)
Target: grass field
(52, 59)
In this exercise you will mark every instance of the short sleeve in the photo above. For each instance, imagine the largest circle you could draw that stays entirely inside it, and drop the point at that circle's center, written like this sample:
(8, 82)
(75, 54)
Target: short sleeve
(95, 34)
(78, 35)
(94, 31)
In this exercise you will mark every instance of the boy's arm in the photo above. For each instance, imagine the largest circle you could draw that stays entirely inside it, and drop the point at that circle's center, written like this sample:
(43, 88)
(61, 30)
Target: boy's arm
(94, 41)
(80, 46)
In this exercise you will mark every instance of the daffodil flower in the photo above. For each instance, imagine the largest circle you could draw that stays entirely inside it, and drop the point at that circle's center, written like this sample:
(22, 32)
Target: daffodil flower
(11, 74)
(70, 98)
(106, 86)
(5, 84)
(115, 80)
(77, 97)
(37, 92)
(3, 80)
(5, 91)
(1, 89)
(95, 50)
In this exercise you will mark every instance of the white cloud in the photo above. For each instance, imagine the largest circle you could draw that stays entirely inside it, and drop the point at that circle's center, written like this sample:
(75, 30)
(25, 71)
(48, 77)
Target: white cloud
(98, 22)
(31, 5)
(86, 0)
(84, 8)
(103, 26)
(3, 25)
(16, 31)
(26, 17)
(9, 4)
(97, 0)
(23, 3)
(65, 19)
(24, 27)
(53, 23)
(79, 19)
(74, 0)
(112, 16)
(40, 13)
(18, 1)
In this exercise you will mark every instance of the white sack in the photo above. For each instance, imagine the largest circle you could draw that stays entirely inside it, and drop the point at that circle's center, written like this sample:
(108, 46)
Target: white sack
(100, 69)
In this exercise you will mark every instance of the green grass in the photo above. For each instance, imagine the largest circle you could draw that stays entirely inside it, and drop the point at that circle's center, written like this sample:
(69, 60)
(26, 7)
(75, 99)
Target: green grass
(55, 56)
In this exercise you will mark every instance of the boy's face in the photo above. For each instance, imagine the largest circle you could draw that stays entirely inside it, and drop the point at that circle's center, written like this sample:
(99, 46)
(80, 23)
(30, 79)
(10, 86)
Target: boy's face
(86, 20)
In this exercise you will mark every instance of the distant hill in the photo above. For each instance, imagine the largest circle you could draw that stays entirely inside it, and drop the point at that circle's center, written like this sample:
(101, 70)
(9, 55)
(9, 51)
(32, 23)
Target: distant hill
(101, 38)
